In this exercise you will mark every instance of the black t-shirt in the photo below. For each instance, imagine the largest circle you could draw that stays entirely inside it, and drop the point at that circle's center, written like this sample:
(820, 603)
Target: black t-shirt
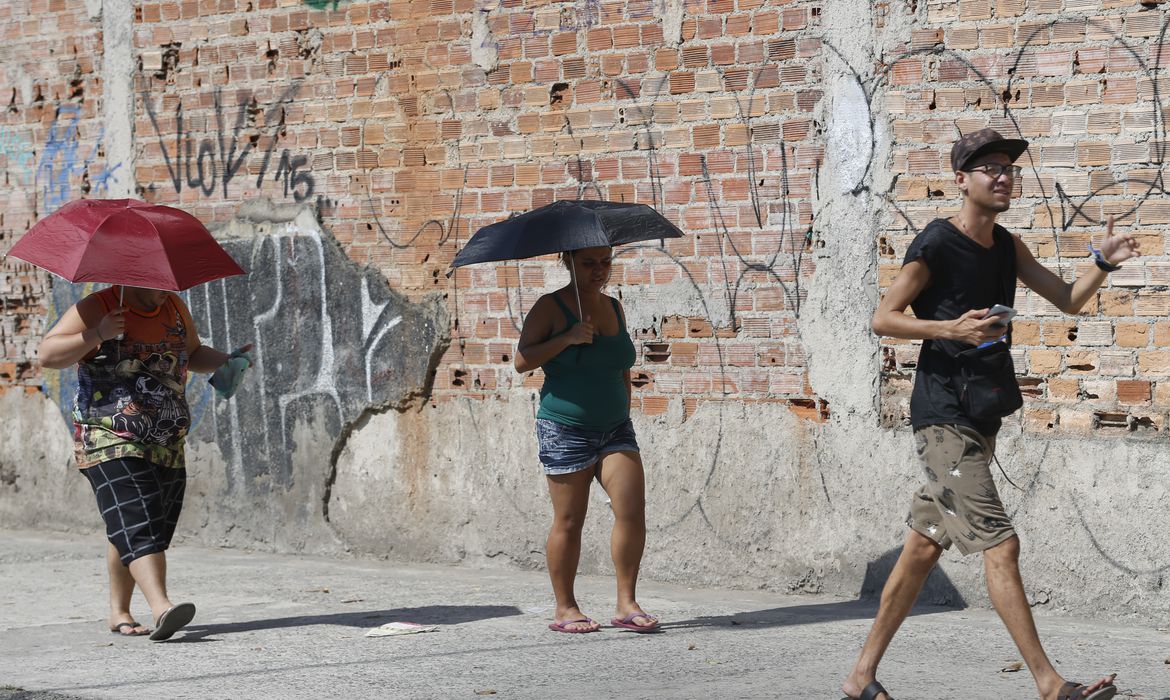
(963, 276)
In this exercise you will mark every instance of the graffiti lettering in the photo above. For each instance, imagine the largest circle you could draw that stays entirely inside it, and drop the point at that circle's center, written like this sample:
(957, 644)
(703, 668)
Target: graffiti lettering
(292, 180)
(217, 161)
(445, 230)
(341, 365)
(59, 163)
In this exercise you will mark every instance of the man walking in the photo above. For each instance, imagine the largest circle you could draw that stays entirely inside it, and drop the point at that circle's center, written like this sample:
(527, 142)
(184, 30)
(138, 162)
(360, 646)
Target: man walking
(955, 272)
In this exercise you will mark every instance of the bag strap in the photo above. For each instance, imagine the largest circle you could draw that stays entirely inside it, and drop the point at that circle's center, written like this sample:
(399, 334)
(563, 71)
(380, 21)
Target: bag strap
(1001, 471)
(1007, 276)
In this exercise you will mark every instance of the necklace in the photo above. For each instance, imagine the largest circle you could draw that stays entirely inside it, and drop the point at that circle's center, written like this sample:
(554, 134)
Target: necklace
(967, 232)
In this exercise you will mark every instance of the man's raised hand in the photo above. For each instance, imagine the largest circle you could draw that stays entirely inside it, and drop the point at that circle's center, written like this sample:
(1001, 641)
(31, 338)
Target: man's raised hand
(1116, 249)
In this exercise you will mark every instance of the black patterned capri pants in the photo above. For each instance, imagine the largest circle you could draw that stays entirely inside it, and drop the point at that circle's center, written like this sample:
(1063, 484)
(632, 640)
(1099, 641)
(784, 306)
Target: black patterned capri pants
(140, 503)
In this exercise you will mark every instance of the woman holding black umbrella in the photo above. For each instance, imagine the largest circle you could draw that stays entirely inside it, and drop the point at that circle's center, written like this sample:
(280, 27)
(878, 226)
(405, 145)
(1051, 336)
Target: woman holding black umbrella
(583, 427)
(578, 336)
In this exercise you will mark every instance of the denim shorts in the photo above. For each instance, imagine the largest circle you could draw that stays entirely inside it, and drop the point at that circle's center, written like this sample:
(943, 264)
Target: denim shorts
(565, 449)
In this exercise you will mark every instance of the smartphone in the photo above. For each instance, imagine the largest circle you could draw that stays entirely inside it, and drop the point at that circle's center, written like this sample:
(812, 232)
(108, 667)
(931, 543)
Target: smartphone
(1005, 313)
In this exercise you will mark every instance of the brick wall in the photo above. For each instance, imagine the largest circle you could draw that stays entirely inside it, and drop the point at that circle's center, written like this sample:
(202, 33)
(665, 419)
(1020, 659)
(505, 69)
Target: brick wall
(411, 124)
(1080, 79)
(50, 152)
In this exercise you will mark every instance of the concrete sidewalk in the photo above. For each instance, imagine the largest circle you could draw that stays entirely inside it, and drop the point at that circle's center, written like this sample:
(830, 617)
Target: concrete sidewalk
(292, 627)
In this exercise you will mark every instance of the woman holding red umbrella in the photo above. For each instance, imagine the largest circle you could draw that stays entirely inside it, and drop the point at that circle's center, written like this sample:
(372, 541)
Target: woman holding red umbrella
(130, 419)
(133, 346)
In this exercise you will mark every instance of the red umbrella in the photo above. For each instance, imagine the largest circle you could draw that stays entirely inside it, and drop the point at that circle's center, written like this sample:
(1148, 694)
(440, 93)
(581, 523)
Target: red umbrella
(127, 242)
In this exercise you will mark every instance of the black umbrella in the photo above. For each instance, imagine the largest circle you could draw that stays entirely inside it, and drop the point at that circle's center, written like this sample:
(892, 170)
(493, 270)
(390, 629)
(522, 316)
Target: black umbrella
(562, 226)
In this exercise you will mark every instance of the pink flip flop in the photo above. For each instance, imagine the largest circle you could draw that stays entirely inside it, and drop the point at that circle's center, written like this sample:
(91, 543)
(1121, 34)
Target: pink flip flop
(564, 626)
(628, 622)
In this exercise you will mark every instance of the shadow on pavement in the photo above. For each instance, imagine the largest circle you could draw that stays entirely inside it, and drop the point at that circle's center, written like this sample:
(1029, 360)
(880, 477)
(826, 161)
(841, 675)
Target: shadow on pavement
(938, 595)
(796, 615)
(8, 693)
(426, 615)
(938, 589)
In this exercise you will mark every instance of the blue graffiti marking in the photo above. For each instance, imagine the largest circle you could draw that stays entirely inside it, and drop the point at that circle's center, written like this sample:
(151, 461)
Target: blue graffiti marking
(18, 152)
(59, 161)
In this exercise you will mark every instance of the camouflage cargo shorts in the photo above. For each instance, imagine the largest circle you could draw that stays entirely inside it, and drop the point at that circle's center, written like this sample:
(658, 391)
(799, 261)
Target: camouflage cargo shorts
(959, 504)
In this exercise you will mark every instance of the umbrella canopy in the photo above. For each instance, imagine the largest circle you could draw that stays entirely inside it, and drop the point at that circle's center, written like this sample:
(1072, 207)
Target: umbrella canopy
(565, 225)
(127, 242)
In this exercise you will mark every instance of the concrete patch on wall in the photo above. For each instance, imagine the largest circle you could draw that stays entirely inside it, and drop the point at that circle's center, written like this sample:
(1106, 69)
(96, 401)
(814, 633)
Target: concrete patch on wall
(1092, 522)
(646, 306)
(673, 12)
(118, 67)
(730, 491)
(485, 51)
(458, 481)
(40, 486)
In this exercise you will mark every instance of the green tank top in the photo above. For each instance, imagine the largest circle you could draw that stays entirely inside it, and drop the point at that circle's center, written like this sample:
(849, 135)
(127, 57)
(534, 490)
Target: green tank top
(585, 385)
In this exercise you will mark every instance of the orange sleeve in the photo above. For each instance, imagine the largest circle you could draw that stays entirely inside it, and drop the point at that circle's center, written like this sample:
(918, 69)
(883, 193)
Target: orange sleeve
(189, 323)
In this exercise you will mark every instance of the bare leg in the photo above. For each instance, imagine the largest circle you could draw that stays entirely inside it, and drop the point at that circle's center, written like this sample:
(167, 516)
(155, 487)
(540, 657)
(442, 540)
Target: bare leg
(150, 573)
(570, 499)
(1006, 589)
(121, 591)
(918, 557)
(623, 479)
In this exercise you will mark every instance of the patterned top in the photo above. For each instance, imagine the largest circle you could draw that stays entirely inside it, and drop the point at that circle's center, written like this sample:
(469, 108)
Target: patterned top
(131, 398)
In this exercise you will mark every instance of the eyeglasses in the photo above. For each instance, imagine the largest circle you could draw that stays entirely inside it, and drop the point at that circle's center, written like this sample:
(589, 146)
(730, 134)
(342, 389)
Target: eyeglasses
(998, 170)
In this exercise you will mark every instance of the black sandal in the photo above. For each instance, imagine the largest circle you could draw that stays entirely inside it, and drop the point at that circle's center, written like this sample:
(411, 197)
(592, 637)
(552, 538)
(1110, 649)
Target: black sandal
(117, 629)
(1078, 691)
(871, 691)
(172, 621)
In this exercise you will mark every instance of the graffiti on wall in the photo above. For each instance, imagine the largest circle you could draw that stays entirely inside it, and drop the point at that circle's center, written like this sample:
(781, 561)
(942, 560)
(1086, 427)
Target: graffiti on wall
(771, 198)
(1072, 208)
(331, 341)
(62, 163)
(19, 156)
(211, 162)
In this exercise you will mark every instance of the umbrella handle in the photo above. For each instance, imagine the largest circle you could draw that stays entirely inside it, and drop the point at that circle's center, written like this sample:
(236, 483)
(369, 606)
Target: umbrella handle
(576, 289)
(121, 302)
(577, 292)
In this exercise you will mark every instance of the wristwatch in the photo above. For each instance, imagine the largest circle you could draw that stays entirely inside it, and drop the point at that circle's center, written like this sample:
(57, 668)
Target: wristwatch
(1101, 261)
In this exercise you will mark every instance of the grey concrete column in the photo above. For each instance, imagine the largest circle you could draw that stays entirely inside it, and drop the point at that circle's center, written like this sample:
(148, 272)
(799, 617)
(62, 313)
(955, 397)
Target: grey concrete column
(842, 353)
(118, 68)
